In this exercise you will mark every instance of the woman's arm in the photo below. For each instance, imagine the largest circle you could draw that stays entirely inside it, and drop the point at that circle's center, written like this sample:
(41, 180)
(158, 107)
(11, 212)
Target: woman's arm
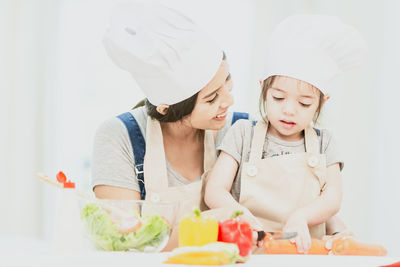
(114, 192)
(113, 164)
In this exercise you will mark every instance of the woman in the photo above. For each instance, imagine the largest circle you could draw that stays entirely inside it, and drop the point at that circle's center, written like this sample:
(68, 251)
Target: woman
(171, 60)
(186, 79)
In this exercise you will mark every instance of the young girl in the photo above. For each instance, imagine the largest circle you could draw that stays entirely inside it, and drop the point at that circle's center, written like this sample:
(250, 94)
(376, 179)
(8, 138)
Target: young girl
(284, 174)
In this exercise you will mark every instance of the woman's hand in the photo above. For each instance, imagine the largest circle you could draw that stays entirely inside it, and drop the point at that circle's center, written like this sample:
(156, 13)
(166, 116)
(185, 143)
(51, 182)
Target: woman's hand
(298, 223)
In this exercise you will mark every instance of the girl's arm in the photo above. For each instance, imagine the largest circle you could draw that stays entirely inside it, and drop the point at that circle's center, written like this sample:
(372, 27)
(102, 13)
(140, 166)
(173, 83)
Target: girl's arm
(217, 191)
(318, 211)
(219, 184)
(328, 203)
(335, 229)
(335, 225)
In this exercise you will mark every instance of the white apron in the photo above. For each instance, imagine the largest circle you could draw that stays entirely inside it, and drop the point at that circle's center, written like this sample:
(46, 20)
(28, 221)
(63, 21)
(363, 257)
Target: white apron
(273, 188)
(156, 180)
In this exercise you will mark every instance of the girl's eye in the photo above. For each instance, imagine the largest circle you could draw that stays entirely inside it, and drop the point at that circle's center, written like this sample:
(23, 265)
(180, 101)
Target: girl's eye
(305, 105)
(277, 98)
(212, 100)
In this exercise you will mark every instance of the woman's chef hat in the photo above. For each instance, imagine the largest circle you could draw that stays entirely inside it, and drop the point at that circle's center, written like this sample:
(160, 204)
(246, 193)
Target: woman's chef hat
(170, 58)
(314, 49)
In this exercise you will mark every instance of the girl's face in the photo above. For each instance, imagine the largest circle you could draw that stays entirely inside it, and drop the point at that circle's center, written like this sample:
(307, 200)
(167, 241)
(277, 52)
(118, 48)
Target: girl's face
(213, 101)
(291, 105)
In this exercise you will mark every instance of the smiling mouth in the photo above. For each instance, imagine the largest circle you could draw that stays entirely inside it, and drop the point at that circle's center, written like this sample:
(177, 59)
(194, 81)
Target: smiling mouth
(220, 116)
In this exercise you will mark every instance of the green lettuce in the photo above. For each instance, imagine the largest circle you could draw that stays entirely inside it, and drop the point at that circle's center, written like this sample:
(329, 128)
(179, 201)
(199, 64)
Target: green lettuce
(105, 235)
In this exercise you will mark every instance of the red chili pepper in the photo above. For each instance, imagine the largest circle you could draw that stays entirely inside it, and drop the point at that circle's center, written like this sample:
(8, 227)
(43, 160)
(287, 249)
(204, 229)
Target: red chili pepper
(238, 232)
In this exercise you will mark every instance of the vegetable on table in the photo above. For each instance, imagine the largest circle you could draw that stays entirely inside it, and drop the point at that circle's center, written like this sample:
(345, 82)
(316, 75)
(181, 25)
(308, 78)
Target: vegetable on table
(197, 230)
(284, 246)
(129, 224)
(341, 246)
(238, 232)
(107, 235)
(216, 253)
(200, 258)
(350, 246)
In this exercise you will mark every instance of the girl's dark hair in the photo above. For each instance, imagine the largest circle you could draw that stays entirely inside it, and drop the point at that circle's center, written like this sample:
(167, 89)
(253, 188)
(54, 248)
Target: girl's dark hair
(262, 100)
(176, 111)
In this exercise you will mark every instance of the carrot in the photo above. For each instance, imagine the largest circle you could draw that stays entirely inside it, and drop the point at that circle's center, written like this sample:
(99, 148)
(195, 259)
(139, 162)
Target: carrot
(350, 246)
(272, 246)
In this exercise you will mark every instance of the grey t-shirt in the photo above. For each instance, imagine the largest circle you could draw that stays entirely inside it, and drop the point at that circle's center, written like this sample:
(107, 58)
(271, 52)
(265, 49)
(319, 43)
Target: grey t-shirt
(237, 143)
(113, 160)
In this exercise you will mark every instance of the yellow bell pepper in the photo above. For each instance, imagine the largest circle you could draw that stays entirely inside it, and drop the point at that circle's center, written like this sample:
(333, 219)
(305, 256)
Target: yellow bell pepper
(197, 230)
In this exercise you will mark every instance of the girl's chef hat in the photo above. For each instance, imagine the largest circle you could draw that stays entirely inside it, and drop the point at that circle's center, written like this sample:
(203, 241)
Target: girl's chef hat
(314, 49)
(170, 58)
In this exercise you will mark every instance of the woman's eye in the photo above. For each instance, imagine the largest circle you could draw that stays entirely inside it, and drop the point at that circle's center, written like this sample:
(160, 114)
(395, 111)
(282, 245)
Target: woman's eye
(305, 105)
(277, 98)
(212, 100)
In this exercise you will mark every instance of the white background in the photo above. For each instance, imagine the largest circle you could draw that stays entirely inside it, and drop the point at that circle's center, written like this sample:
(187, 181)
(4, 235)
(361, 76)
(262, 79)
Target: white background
(57, 85)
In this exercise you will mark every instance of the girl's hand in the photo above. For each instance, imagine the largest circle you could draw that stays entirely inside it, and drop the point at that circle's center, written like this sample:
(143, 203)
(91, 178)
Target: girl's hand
(254, 223)
(331, 238)
(248, 217)
(297, 223)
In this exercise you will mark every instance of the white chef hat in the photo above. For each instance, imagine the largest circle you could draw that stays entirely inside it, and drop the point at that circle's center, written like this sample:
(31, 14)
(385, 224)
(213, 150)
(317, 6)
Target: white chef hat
(170, 58)
(314, 49)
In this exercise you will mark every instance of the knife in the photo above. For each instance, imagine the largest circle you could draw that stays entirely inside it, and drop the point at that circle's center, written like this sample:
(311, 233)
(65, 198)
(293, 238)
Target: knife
(275, 235)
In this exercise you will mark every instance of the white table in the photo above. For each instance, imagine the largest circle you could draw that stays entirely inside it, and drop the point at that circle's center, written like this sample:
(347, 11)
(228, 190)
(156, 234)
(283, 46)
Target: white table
(26, 252)
(121, 259)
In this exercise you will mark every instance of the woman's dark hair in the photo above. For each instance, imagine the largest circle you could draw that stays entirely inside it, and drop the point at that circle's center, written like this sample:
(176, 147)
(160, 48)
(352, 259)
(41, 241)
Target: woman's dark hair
(176, 111)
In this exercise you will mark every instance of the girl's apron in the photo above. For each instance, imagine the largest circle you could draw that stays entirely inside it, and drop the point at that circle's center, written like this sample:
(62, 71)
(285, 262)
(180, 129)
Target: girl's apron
(157, 189)
(273, 188)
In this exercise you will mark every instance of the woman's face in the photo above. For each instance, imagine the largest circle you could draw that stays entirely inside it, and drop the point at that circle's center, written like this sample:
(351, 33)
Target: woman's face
(213, 101)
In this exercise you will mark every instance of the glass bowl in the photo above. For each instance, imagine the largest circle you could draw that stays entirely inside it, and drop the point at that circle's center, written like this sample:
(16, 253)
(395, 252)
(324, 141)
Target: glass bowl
(127, 225)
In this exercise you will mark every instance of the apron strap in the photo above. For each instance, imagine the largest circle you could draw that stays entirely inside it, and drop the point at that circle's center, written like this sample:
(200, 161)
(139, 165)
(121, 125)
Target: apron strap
(155, 165)
(313, 150)
(311, 140)
(138, 147)
(257, 144)
(209, 150)
(238, 116)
